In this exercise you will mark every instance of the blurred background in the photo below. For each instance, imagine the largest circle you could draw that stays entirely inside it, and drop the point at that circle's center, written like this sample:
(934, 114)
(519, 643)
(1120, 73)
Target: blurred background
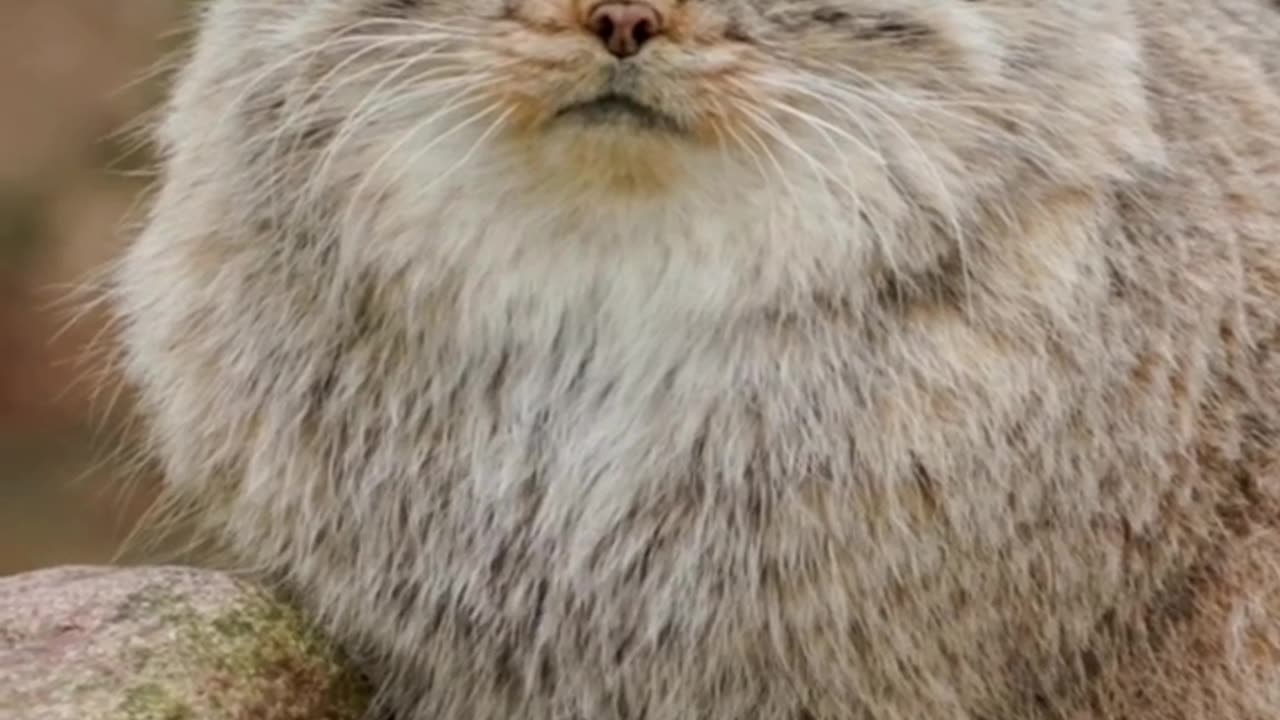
(73, 75)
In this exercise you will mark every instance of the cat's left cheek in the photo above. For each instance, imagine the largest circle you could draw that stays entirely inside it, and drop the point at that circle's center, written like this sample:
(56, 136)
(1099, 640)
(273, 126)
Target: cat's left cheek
(697, 23)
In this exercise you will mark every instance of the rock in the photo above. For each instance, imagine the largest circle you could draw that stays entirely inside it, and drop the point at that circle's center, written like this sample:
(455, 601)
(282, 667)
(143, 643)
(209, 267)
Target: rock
(162, 644)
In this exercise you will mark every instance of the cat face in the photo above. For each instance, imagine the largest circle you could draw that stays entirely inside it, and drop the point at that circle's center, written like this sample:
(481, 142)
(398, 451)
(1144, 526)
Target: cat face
(756, 84)
(896, 106)
(700, 71)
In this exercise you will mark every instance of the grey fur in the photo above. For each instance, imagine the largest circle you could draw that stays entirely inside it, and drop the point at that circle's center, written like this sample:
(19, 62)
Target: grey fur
(937, 378)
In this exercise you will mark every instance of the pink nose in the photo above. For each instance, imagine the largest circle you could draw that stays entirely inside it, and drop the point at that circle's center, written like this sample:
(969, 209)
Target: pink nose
(624, 27)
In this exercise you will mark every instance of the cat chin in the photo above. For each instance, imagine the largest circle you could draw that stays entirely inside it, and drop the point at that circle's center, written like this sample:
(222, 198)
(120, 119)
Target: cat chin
(611, 150)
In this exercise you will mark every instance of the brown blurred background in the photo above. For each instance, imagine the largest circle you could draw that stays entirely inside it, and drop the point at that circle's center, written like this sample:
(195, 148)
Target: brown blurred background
(73, 74)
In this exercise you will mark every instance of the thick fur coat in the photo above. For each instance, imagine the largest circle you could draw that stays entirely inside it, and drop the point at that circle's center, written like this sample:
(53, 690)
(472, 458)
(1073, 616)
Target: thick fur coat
(880, 360)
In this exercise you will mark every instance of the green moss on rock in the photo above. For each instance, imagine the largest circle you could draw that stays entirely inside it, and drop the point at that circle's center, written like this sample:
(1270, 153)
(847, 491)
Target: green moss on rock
(167, 644)
(155, 702)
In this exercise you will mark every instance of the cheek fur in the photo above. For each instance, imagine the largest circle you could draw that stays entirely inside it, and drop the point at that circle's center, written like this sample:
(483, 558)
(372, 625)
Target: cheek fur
(878, 34)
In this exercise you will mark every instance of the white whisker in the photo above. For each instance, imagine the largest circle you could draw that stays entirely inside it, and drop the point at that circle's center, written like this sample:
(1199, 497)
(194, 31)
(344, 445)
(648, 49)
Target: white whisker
(464, 99)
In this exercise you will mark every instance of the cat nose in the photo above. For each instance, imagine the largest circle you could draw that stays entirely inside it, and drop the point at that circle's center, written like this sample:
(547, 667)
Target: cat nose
(624, 27)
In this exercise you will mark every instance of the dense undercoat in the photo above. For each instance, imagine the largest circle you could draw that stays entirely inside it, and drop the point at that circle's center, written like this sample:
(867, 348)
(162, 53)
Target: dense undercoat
(931, 411)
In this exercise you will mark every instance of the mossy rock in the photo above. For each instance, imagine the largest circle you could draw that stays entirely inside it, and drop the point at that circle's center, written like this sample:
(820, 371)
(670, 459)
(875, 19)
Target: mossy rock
(163, 644)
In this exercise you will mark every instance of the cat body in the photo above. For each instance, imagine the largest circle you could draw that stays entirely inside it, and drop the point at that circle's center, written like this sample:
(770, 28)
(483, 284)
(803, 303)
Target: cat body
(799, 360)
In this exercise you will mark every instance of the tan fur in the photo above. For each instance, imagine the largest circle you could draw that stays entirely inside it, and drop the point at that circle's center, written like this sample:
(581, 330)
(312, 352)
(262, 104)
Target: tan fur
(928, 371)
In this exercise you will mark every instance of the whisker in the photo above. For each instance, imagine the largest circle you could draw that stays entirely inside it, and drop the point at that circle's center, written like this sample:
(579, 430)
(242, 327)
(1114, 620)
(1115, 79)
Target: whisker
(355, 117)
(782, 175)
(297, 123)
(488, 132)
(463, 99)
(353, 124)
(878, 233)
(948, 207)
(417, 24)
(739, 143)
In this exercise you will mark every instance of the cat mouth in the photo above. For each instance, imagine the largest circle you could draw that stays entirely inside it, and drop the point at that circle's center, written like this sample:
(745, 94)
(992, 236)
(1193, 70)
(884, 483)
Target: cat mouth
(612, 108)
